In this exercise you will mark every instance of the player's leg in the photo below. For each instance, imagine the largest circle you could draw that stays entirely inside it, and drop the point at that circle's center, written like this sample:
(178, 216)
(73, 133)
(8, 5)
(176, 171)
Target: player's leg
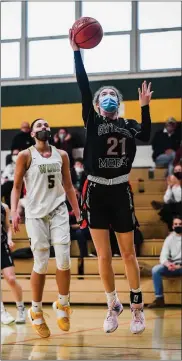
(60, 238)
(127, 249)
(6, 261)
(10, 277)
(38, 233)
(97, 216)
(101, 241)
(123, 222)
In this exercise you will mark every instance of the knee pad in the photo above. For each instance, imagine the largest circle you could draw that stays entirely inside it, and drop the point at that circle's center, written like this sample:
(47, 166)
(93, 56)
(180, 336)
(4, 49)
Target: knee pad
(41, 258)
(62, 253)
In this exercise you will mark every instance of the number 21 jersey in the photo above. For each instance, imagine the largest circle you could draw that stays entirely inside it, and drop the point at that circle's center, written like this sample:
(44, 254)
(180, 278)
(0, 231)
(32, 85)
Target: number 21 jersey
(43, 182)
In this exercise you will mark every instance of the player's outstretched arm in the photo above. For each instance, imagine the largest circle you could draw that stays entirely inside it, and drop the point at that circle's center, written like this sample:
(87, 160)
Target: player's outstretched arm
(68, 186)
(142, 131)
(20, 169)
(82, 80)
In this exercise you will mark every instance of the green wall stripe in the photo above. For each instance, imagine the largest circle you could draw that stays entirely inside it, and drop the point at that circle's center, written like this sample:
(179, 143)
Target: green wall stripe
(64, 93)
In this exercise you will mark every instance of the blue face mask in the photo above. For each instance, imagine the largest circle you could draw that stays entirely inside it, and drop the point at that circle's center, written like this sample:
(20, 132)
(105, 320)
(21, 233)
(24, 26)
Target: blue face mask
(109, 103)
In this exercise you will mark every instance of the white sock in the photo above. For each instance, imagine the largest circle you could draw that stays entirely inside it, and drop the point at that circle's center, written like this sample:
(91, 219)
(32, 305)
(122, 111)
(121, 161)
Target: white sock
(2, 307)
(112, 296)
(20, 304)
(36, 306)
(63, 300)
(136, 291)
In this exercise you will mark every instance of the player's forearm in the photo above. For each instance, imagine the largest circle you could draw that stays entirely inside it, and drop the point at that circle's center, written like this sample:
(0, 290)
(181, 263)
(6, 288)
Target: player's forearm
(82, 77)
(15, 196)
(9, 234)
(146, 123)
(71, 195)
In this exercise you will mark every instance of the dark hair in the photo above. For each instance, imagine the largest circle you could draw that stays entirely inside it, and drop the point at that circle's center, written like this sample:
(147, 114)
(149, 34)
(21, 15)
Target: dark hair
(31, 126)
(177, 216)
(80, 160)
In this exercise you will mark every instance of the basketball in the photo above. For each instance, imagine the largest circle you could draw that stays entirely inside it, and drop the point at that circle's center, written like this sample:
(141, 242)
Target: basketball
(88, 32)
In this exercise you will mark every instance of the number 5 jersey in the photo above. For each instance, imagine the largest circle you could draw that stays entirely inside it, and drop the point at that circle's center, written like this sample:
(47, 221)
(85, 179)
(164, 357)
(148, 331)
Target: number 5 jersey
(43, 182)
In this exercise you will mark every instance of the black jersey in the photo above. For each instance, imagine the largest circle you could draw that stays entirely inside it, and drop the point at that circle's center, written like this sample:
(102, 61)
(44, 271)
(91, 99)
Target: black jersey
(110, 146)
(4, 237)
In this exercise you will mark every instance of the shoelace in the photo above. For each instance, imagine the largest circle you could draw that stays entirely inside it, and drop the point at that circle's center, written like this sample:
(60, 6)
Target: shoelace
(137, 315)
(110, 309)
(68, 310)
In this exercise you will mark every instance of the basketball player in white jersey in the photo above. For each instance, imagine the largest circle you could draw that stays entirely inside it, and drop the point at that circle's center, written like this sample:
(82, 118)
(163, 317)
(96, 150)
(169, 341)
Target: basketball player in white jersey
(44, 169)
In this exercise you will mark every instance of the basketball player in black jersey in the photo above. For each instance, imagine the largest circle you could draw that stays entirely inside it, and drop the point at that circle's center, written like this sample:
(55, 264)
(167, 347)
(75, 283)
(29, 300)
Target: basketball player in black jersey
(8, 270)
(108, 156)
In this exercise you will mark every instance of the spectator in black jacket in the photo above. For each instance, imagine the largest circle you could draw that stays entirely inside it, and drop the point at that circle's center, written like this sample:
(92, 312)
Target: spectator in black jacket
(164, 144)
(23, 139)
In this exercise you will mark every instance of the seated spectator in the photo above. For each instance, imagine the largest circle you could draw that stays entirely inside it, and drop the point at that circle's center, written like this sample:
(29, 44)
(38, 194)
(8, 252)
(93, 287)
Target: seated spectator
(7, 178)
(63, 140)
(78, 174)
(170, 262)
(172, 197)
(178, 156)
(76, 233)
(164, 144)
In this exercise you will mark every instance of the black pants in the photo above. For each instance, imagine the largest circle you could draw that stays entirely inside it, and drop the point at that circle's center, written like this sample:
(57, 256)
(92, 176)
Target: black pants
(82, 236)
(6, 189)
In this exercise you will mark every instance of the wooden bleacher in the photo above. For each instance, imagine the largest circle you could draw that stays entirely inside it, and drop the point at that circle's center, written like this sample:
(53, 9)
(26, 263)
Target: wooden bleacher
(88, 288)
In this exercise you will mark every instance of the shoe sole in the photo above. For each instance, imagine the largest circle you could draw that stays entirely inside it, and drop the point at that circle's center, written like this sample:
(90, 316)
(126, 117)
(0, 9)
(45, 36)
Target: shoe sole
(137, 333)
(117, 325)
(9, 323)
(30, 318)
(20, 322)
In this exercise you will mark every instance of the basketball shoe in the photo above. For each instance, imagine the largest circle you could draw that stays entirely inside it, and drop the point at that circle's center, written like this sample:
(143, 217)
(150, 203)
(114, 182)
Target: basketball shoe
(111, 321)
(137, 324)
(63, 315)
(38, 323)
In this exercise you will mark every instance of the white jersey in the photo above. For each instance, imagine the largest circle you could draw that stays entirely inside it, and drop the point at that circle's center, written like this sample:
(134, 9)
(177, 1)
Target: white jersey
(43, 182)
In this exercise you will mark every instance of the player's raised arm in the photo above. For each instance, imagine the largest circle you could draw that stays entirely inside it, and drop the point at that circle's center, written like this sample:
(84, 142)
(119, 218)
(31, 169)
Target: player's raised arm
(142, 131)
(20, 170)
(83, 82)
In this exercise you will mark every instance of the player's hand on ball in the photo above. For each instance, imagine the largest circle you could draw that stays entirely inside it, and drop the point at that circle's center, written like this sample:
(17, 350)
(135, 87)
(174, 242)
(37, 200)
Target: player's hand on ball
(15, 221)
(145, 94)
(72, 40)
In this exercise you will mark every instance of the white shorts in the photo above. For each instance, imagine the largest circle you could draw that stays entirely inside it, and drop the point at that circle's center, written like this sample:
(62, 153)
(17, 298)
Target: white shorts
(53, 229)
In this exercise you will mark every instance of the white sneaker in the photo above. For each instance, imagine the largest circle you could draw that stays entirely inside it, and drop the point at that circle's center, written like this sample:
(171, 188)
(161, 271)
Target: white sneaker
(137, 324)
(111, 321)
(6, 318)
(21, 315)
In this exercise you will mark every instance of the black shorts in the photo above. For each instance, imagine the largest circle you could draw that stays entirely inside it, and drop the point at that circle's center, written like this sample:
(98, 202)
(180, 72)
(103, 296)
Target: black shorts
(108, 206)
(6, 258)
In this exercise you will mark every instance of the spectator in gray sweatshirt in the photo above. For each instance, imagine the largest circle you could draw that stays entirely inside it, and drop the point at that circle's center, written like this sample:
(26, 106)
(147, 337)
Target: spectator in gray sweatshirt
(170, 262)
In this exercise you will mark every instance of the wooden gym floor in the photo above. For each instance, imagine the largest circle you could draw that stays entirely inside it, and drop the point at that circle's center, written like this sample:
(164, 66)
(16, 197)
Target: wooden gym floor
(86, 340)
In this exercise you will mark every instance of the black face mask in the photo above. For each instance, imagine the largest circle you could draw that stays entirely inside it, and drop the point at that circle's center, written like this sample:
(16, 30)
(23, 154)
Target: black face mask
(43, 135)
(178, 175)
(178, 229)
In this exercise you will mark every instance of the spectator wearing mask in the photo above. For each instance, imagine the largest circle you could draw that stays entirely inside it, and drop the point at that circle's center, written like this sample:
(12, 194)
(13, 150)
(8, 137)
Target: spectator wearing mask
(63, 140)
(7, 178)
(172, 197)
(170, 262)
(78, 174)
(164, 145)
